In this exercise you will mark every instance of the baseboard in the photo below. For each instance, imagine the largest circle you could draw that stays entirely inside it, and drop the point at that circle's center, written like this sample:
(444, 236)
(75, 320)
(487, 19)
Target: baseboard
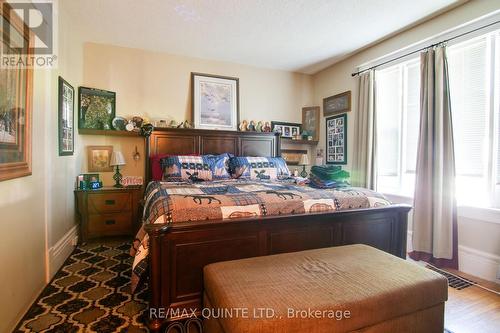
(409, 246)
(61, 250)
(478, 263)
(474, 262)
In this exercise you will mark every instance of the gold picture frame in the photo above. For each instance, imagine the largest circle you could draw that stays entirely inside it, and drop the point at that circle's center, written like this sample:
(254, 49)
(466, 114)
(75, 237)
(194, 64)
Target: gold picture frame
(16, 94)
(98, 158)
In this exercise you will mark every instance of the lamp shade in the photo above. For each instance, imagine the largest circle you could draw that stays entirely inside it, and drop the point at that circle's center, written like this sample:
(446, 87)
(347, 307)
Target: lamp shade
(117, 158)
(304, 160)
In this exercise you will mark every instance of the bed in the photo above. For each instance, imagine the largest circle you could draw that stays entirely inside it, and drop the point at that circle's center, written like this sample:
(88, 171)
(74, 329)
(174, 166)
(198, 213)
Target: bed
(178, 251)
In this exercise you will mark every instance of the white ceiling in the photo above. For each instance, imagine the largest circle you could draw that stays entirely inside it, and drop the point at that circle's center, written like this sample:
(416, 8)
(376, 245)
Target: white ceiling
(296, 35)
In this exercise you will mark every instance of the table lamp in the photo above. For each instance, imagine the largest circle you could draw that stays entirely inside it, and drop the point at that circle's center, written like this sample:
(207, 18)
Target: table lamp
(304, 160)
(117, 159)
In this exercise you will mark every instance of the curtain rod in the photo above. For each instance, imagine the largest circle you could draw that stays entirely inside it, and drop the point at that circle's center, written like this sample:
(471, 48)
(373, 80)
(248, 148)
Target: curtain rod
(424, 48)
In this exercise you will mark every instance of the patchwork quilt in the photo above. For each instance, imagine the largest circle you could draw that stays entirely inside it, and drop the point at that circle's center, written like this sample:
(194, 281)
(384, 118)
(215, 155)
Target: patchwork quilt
(174, 202)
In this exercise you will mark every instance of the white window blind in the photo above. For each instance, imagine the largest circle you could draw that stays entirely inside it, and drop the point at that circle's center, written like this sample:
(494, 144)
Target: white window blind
(470, 70)
(398, 107)
(389, 100)
(469, 85)
(412, 114)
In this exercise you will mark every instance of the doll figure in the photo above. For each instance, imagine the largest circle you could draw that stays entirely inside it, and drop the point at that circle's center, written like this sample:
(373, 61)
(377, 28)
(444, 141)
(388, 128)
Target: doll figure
(266, 127)
(243, 126)
(251, 126)
(258, 127)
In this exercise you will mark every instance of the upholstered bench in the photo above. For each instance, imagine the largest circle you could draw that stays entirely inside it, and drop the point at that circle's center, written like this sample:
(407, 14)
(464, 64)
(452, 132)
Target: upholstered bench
(339, 289)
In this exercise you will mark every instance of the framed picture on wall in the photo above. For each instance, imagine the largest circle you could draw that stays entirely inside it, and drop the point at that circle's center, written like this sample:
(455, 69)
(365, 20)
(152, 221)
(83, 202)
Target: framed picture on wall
(310, 121)
(98, 158)
(287, 130)
(96, 108)
(215, 102)
(16, 93)
(336, 139)
(66, 118)
(337, 104)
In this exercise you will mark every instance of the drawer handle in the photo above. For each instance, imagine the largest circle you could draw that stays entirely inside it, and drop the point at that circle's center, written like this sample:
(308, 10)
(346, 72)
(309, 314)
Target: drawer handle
(109, 222)
(109, 202)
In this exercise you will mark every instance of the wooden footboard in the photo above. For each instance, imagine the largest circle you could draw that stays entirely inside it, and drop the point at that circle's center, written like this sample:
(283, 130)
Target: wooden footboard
(178, 252)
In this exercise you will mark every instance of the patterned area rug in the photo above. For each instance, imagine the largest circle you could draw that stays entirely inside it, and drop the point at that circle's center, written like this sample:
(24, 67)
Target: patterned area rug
(90, 294)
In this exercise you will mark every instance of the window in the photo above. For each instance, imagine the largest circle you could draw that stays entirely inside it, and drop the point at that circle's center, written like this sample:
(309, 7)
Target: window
(474, 70)
(398, 107)
(471, 70)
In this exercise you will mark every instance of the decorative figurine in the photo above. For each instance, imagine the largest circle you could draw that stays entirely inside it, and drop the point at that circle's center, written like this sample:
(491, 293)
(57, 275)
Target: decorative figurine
(146, 129)
(162, 123)
(173, 124)
(251, 126)
(137, 122)
(130, 126)
(267, 127)
(187, 124)
(258, 127)
(243, 126)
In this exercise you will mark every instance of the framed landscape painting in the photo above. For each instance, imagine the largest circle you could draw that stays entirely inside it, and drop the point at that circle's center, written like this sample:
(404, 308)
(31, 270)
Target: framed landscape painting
(16, 91)
(66, 118)
(215, 101)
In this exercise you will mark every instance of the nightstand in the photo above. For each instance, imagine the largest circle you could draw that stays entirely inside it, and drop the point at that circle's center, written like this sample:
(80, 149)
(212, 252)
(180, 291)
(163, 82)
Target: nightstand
(108, 211)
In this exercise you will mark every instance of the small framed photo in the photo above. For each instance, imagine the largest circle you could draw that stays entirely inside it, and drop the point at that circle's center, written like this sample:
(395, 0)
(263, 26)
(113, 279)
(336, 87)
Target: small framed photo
(215, 102)
(287, 130)
(96, 108)
(337, 104)
(66, 118)
(336, 139)
(98, 158)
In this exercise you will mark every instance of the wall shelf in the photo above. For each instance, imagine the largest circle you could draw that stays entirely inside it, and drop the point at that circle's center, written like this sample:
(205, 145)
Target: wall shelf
(90, 131)
(300, 142)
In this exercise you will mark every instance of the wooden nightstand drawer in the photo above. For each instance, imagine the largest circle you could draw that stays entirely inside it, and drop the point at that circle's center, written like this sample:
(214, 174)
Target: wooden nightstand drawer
(109, 224)
(101, 203)
(108, 211)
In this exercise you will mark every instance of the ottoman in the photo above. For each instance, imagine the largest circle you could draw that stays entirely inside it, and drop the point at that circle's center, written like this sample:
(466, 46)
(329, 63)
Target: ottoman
(339, 289)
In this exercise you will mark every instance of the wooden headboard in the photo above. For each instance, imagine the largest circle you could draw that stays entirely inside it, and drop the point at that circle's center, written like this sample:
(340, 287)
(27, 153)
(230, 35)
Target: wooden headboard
(177, 141)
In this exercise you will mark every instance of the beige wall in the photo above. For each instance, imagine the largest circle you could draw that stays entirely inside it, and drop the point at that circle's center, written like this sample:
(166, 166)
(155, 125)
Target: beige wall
(157, 85)
(337, 78)
(38, 210)
(22, 206)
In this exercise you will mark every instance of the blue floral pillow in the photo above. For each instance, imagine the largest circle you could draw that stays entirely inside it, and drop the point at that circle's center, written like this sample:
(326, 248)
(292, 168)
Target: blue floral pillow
(258, 168)
(205, 167)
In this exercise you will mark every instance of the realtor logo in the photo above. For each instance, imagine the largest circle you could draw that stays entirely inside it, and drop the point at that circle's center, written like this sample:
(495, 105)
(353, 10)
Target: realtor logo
(39, 49)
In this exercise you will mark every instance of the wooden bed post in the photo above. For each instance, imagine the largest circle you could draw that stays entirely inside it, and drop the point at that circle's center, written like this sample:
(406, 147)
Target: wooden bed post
(155, 233)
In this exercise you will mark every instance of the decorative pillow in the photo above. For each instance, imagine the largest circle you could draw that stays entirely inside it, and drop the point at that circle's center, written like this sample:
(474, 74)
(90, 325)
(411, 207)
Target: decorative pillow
(205, 167)
(155, 162)
(258, 167)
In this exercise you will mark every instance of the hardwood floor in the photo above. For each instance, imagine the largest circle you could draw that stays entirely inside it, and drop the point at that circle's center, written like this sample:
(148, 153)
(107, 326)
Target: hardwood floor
(473, 309)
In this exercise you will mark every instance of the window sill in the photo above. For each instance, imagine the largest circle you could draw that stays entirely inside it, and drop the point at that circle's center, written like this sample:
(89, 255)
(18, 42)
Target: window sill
(484, 214)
